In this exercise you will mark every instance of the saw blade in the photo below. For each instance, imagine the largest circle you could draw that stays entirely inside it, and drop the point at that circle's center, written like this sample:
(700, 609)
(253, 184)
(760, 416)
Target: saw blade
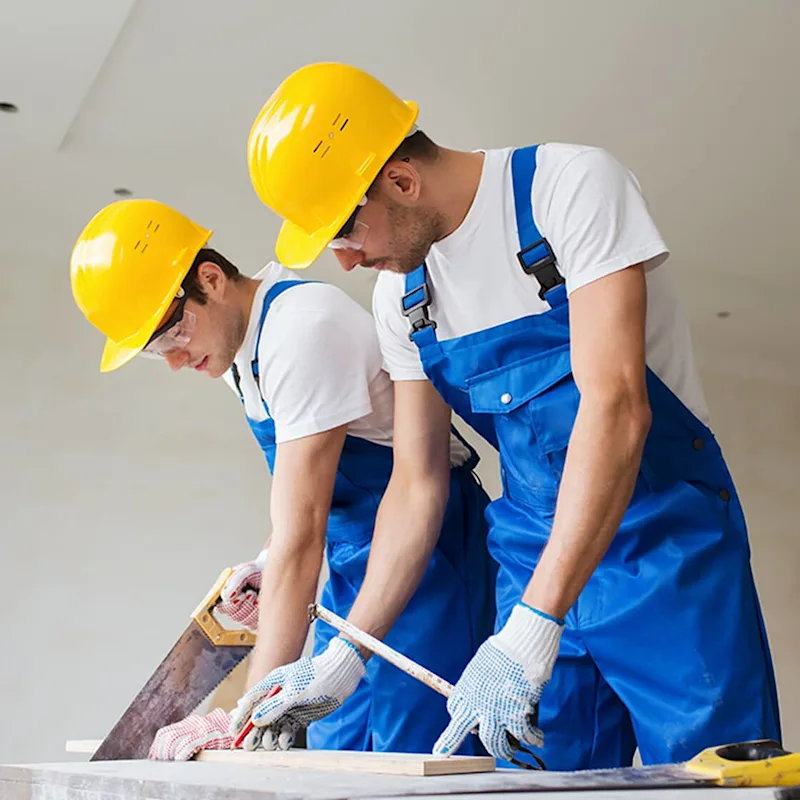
(190, 672)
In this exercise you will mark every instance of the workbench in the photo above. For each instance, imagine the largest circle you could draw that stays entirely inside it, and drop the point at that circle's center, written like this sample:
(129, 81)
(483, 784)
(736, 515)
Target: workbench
(151, 780)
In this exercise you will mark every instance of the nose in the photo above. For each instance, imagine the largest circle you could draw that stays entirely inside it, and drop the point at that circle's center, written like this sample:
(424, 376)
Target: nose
(176, 359)
(349, 259)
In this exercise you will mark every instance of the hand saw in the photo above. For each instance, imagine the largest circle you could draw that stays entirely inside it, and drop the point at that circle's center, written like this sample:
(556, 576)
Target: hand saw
(757, 763)
(197, 663)
(440, 685)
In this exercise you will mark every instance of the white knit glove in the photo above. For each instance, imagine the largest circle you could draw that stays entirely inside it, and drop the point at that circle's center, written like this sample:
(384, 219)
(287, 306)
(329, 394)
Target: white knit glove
(180, 741)
(500, 687)
(311, 688)
(239, 595)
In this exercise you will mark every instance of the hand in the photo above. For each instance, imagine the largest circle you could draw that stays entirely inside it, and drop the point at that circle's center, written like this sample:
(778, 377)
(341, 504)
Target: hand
(500, 687)
(239, 595)
(311, 688)
(181, 741)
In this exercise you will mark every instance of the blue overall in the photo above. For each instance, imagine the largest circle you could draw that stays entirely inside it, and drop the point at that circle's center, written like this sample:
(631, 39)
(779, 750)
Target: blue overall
(448, 617)
(665, 647)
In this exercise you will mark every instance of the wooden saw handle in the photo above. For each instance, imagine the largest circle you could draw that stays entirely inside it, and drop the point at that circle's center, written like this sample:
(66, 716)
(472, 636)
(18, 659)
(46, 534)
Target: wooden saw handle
(203, 615)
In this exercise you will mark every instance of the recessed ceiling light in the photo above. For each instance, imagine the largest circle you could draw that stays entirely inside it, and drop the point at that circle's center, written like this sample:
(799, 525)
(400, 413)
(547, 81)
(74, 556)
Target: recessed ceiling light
(9, 108)
(121, 191)
(723, 314)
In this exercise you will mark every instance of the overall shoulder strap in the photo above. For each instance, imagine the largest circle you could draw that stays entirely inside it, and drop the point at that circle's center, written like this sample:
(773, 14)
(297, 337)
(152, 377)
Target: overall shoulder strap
(535, 256)
(414, 305)
(274, 292)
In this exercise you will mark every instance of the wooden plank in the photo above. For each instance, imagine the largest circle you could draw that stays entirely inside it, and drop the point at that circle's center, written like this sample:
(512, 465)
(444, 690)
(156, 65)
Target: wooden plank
(418, 764)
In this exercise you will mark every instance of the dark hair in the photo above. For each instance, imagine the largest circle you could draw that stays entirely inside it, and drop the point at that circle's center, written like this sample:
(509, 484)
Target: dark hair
(418, 145)
(191, 284)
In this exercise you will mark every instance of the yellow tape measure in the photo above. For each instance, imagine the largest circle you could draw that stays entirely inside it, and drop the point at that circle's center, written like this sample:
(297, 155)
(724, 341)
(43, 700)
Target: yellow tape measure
(759, 763)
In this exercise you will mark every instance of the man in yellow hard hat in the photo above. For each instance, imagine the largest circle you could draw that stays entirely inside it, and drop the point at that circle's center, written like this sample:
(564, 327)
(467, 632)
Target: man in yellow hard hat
(304, 360)
(526, 288)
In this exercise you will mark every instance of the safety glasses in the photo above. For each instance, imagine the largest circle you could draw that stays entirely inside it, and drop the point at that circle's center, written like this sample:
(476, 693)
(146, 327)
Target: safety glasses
(174, 333)
(353, 233)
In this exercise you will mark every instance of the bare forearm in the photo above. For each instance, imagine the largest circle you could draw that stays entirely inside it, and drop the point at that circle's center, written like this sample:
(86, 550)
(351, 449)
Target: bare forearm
(602, 463)
(407, 529)
(302, 486)
(288, 585)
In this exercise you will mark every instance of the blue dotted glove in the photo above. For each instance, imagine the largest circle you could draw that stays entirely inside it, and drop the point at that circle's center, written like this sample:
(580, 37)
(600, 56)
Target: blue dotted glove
(499, 690)
(311, 688)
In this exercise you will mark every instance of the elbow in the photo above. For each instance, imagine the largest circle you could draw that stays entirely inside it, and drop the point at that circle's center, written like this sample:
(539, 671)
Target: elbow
(627, 411)
(422, 489)
(638, 417)
(298, 541)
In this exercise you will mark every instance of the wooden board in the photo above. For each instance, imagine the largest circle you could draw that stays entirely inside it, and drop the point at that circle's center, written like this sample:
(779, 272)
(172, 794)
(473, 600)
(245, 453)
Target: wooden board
(348, 761)
(418, 764)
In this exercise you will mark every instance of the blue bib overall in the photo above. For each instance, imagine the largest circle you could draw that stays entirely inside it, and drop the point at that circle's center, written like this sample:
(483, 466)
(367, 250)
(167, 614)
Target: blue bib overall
(665, 647)
(448, 617)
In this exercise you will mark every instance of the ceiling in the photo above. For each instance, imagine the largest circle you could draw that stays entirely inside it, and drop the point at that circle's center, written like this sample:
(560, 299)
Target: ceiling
(700, 99)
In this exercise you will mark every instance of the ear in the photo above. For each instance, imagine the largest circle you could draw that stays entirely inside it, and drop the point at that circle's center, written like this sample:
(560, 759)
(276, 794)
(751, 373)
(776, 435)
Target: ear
(402, 181)
(212, 280)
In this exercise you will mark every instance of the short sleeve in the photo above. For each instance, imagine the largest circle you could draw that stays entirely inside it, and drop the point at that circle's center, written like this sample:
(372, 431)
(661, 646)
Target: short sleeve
(316, 371)
(596, 219)
(400, 355)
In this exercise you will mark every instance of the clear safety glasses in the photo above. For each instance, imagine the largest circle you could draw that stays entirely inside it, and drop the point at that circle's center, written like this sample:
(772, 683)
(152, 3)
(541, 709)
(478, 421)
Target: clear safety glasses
(174, 333)
(353, 233)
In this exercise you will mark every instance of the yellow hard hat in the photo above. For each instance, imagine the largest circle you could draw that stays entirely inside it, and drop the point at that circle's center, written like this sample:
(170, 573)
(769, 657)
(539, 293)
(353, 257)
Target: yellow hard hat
(126, 269)
(315, 148)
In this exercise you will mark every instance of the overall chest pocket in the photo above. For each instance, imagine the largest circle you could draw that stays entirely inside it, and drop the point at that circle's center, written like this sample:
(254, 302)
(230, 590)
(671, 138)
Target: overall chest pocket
(534, 402)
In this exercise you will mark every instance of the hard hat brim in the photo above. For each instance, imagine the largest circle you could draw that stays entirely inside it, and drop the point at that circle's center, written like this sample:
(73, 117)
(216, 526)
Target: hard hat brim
(295, 249)
(117, 355)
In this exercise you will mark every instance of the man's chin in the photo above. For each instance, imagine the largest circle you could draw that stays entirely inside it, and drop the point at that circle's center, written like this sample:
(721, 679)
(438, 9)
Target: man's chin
(215, 371)
(394, 266)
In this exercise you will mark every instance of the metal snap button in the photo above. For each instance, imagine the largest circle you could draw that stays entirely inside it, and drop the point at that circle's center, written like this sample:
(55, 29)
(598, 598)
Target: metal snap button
(724, 495)
(698, 444)
(505, 398)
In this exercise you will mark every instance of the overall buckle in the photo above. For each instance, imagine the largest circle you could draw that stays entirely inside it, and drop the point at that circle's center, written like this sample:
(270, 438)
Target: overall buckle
(417, 311)
(543, 267)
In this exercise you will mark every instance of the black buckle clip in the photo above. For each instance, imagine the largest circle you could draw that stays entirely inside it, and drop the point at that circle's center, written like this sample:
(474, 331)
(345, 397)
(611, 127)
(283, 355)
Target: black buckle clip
(418, 312)
(543, 269)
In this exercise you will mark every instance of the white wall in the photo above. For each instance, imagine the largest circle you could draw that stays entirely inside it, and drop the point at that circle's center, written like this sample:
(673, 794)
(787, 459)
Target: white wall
(758, 425)
(123, 496)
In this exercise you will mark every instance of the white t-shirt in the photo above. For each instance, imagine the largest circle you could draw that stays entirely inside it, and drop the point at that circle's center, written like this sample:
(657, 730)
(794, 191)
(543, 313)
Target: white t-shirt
(592, 212)
(319, 365)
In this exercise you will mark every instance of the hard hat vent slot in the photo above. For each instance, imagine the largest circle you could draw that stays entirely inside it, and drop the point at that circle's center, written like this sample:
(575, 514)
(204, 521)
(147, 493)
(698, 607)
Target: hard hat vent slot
(150, 230)
(330, 136)
(325, 151)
